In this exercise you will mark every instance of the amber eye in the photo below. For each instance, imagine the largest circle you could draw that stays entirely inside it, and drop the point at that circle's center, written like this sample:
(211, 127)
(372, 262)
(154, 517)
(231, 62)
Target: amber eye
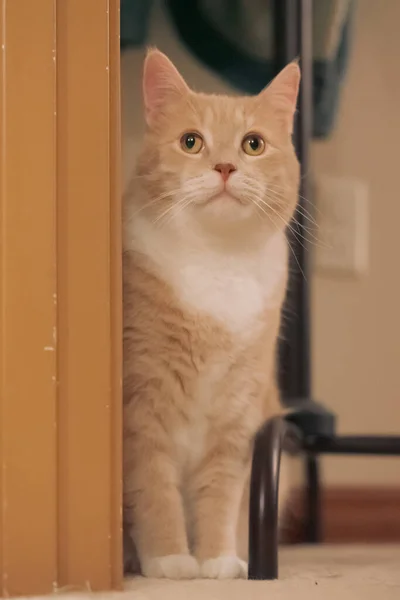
(192, 142)
(253, 144)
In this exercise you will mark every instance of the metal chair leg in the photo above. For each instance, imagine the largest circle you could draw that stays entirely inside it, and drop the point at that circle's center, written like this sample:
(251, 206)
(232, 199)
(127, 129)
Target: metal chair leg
(313, 524)
(263, 519)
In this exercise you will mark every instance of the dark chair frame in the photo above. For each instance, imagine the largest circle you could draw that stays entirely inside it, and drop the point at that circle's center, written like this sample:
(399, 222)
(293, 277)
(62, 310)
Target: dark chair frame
(309, 430)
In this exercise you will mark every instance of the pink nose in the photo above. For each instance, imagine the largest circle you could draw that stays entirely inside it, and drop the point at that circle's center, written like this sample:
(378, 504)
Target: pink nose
(225, 169)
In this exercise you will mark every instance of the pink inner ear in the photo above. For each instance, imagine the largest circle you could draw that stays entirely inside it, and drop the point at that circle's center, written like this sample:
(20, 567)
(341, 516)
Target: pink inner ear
(160, 81)
(282, 94)
(290, 84)
(285, 86)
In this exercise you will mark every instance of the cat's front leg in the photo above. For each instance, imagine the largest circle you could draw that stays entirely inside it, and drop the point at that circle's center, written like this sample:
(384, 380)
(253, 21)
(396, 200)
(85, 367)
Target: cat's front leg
(154, 508)
(216, 491)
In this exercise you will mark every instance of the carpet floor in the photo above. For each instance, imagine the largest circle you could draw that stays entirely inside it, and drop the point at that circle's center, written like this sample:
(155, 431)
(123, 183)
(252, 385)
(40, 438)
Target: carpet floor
(327, 573)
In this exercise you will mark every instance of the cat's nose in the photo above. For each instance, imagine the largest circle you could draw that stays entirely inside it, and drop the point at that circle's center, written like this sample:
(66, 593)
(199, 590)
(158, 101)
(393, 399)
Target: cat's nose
(225, 169)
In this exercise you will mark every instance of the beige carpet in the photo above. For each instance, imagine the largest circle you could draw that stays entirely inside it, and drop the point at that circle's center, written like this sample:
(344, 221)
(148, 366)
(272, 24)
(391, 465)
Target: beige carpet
(326, 573)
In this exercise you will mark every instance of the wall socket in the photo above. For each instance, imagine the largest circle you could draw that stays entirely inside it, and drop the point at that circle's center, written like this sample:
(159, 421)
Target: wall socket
(342, 215)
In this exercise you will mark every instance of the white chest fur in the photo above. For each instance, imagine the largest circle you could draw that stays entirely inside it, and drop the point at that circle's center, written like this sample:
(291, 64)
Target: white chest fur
(232, 288)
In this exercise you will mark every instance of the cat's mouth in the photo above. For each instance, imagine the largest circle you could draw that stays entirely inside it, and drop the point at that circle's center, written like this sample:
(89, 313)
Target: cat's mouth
(225, 196)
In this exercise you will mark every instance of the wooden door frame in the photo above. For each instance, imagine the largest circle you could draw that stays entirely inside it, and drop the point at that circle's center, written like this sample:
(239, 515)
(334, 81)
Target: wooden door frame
(60, 296)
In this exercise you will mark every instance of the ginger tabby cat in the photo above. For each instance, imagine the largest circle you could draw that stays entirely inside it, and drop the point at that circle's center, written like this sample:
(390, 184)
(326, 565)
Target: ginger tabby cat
(205, 274)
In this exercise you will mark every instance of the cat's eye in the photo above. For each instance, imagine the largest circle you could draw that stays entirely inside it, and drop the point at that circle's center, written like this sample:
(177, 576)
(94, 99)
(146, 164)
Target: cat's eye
(192, 142)
(253, 144)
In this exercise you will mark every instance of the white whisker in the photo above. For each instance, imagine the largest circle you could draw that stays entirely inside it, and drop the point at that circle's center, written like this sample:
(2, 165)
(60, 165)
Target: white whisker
(279, 193)
(182, 206)
(289, 244)
(280, 201)
(287, 188)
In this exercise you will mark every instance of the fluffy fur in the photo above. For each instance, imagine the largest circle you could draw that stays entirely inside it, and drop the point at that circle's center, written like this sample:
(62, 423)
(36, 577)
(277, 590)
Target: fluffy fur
(205, 273)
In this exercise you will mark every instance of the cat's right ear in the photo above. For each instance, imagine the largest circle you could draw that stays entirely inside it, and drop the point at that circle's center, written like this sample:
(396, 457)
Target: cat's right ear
(161, 82)
(283, 91)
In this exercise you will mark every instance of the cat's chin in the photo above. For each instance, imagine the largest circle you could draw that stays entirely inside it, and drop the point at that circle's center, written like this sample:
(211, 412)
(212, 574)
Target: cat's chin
(225, 207)
(225, 197)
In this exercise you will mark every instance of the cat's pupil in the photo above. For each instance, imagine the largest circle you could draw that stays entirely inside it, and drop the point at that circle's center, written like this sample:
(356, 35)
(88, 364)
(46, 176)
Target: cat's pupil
(254, 144)
(190, 141)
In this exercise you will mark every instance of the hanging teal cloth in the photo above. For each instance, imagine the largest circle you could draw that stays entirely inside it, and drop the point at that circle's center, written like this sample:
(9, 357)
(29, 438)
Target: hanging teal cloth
(135, 16)
(234, 38)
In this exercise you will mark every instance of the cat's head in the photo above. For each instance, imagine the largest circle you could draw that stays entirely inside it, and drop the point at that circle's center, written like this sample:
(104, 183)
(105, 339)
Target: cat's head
(218, 161)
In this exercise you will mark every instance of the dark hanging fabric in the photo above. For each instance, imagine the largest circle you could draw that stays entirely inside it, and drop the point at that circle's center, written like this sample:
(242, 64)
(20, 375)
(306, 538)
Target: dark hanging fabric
(234, 38)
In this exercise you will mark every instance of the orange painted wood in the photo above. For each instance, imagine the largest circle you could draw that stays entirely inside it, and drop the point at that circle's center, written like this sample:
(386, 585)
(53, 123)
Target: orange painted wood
(28, 288)
(60, 296)
(89, 294)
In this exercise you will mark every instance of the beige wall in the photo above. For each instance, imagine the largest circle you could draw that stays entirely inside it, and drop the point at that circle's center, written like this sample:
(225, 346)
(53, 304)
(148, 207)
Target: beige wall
(356, 326)
(357, 322)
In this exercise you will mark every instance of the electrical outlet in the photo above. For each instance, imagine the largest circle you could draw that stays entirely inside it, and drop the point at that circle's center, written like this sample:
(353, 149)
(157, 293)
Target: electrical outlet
(342, 217)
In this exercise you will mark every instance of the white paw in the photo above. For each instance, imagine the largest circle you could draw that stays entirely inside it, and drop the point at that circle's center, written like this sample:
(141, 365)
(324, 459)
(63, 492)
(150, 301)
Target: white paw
(174, 566)
(224, 567)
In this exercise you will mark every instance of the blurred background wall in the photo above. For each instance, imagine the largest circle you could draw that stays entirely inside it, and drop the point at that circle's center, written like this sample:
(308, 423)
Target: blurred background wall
(356, 321)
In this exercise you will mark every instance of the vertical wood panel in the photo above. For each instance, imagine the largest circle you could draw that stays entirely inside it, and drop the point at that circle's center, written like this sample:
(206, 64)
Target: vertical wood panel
(88, 295)
(2, 125)
(60, 250)
(116, 292)
(28, 277)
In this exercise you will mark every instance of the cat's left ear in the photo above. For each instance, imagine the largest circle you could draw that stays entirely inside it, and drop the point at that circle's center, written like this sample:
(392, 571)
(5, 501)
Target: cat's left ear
(282, 93)
(161, 82)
